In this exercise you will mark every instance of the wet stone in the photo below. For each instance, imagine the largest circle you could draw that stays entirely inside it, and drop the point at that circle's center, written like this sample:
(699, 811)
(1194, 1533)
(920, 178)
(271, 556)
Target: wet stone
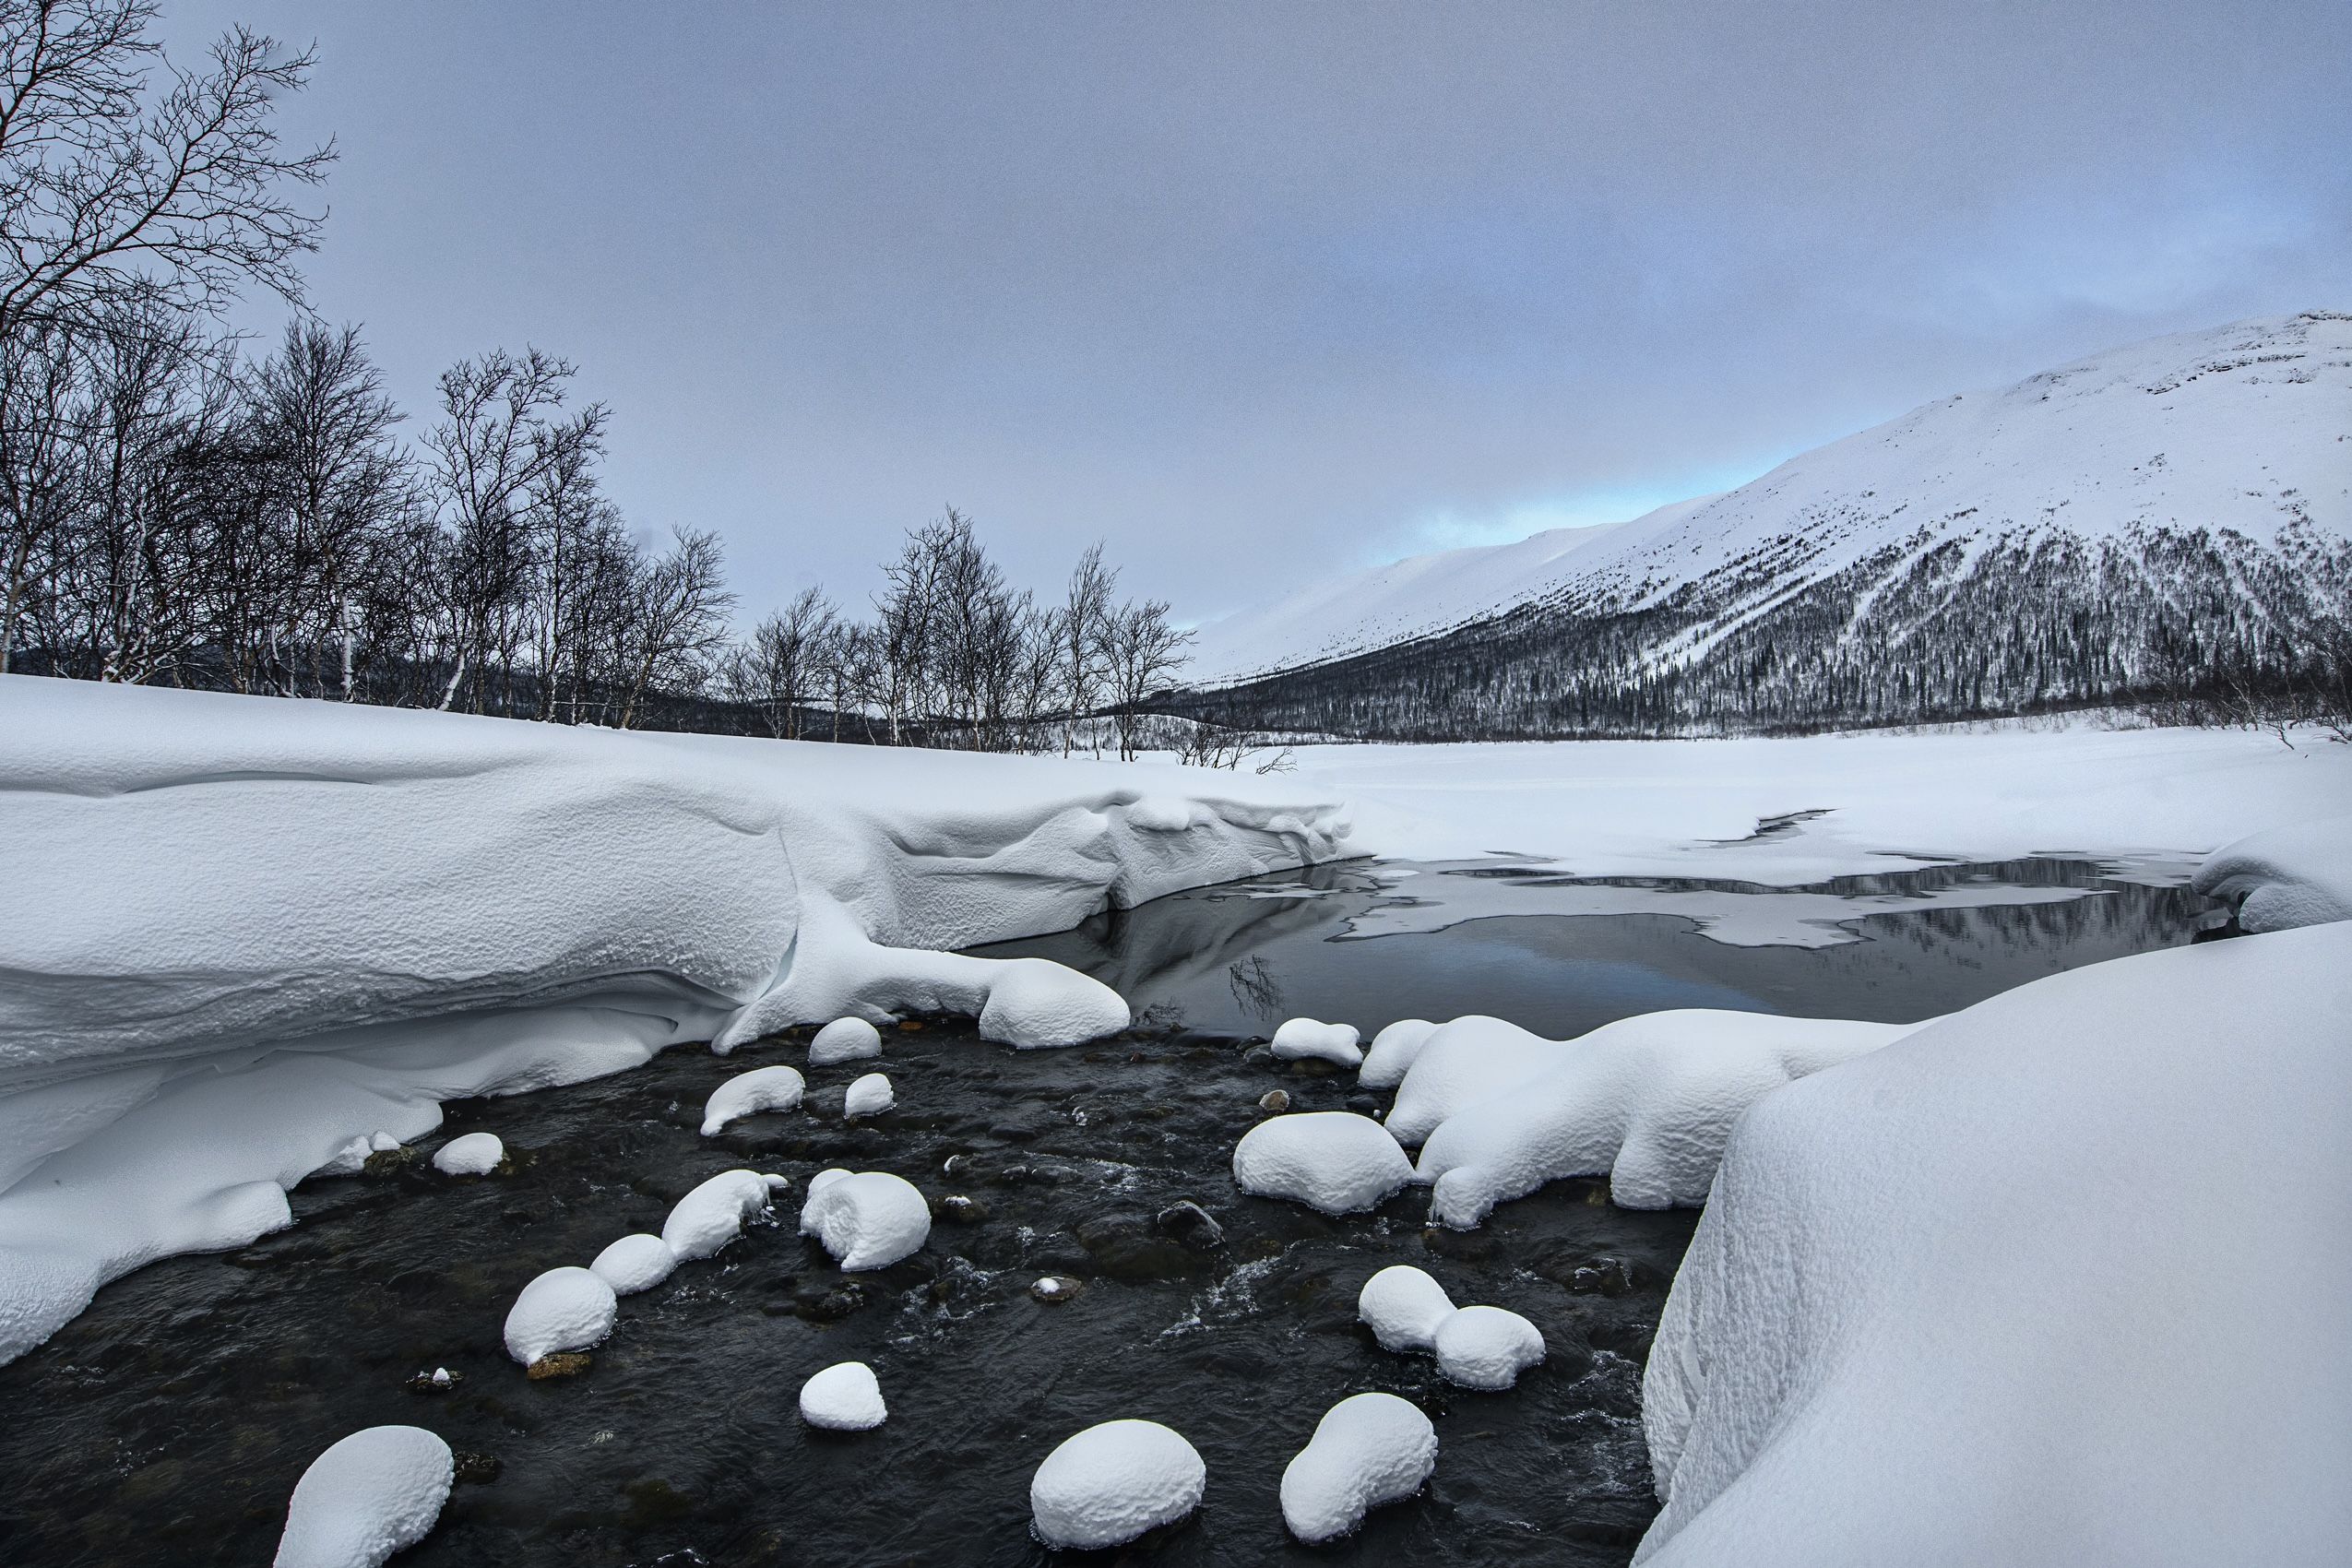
(956, 1208)
(1125, 1246)
(476, 1469)
(824, 1303)
(1275, 1100)
(1191, 1225)
(563, 1363)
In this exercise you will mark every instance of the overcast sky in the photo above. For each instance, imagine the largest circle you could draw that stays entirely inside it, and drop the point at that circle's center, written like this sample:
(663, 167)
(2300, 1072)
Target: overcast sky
(1260, 290)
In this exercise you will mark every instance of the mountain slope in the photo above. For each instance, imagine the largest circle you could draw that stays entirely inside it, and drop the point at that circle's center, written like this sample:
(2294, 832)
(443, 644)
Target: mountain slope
(2151, 519)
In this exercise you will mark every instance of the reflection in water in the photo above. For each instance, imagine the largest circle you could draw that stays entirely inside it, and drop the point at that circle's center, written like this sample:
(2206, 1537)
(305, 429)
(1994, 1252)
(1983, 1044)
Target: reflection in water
(1518, 942)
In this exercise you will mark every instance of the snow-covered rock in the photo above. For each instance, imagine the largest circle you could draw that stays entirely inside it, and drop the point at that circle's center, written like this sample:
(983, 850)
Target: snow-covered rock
(1112, 1482)
(2061, 1277)
(1300, 1039)
(476, 1153)
(1403, 1307)
(2286, 877)
(844, 1040)
(368, 1495)
(749, 1094)
(1486, 1347)
(869, 1096)
(635, 1263)
(1457, 1064)
(1368, 1449)
(713, 1214)
(1332, 1160)
(564, 1309)
(1645, 1101)
(1392, 1051)
(869, 1219)
(844, 1398)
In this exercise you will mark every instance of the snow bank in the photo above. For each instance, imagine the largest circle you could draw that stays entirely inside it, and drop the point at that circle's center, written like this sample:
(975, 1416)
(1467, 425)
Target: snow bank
(844, 1040)
(1645, 1101)
(1332, 1160)
(2063, 1277)
(1486, 1347)
(476, 1153)
(870, 1219)
(713, 1214)
(750, 1094)
(242, 932)
(869, 1096)
(1393, 1051)
(1459, 1063)
(1303, 1038)
(564, 1309)
(2286, 877)
(845, 1397)
(1112, 1482)
(368, 1496)
(635, 1263)
(1368, 1450)
(1403, 1307)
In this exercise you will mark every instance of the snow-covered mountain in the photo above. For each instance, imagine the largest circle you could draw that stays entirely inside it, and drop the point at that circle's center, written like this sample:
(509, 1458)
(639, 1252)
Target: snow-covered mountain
(2163, 514)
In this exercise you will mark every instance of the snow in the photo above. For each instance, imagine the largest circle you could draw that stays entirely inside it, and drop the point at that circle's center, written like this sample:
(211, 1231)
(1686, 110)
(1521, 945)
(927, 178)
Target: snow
(1486, 1347)
(1112, 1482)
(1404, 1307)
(1648, 1100)
(870, 1219)
(1332, 1160)
(844, 1040)
(713, 1214)
(367, 1496)
(244, 932)
(1460, 1063)
(1393, 1051)
(476, 1153)
(1368, 1449)
(2286, 877)
(749, 1094)
(2062, 1277)
(869, 1096)
(564, 1309)
(635, 1263)
(845, 1397)
(1300, 1039)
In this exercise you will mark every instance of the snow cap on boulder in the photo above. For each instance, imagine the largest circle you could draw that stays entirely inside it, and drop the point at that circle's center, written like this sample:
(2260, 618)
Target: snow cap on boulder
(633, 1264)
(1368, 1450)
(1112, 1482)
(713, 1214)
(1392, 1053)
(1403, 1306)
(870, 1219)
(476, 1153)
(870, 1096)
(748, 1093)
(564, 1309)
(1303, 1038)
(1035, 1003)
(1487, 1348)
(843, 1397)
(368, 1495)
(844, 1040)
(1332, 1160)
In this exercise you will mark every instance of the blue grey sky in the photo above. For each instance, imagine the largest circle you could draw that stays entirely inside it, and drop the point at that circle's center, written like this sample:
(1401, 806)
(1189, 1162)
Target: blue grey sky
(1260, 290)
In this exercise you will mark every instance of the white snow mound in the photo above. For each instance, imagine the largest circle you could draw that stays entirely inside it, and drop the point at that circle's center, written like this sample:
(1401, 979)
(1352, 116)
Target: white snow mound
(870, 1219)
(749, 1094)
(2286, 877)
(713, 1214)
(1110, 1483)
(1487, 1348)
(1392, 1051)
(1368, 1449)
(1458, 1064)
(844, 1040)
(367, 1496)
(476, 1153)
(1647, 1100)
(564, 1309)
(2062, 1277)
(1403, 1306)
(635, 1263)
(1332, 1160)
(1303, 1038)
(869, 1096)
(844, 1398)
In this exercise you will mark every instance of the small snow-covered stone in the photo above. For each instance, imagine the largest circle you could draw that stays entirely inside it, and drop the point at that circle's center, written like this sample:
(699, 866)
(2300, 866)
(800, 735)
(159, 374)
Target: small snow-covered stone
(1404, 1306)
(383, 1142)
(1367, 1450)
(748, 1093)
(366, 1497)
(844, 1040)
(843, 1398)
(870, 1219)
(633, 1264)
(1110, 1483)
(870, 1096)
(1054, 1289)
(1392, 1053)
(713, 1214)
(1304, 1039)
(1332, 1160)
(1035, 1003)
(1487, 1348)
(564, 1309)
(476, 1153)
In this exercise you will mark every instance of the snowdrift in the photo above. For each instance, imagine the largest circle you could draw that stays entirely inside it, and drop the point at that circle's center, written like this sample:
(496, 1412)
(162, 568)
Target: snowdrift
(2286, 877)
(2063, 1277)
(242, 932)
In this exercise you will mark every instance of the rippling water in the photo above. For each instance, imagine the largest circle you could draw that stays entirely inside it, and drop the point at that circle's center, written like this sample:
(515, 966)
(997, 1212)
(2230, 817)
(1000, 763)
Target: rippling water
(169, 1423)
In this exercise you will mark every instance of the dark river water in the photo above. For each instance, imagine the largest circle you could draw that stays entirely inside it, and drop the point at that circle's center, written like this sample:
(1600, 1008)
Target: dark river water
(169, 1423)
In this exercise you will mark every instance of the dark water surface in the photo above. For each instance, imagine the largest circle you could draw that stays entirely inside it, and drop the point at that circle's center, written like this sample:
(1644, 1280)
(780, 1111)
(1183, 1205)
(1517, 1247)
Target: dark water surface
(169, 1423)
